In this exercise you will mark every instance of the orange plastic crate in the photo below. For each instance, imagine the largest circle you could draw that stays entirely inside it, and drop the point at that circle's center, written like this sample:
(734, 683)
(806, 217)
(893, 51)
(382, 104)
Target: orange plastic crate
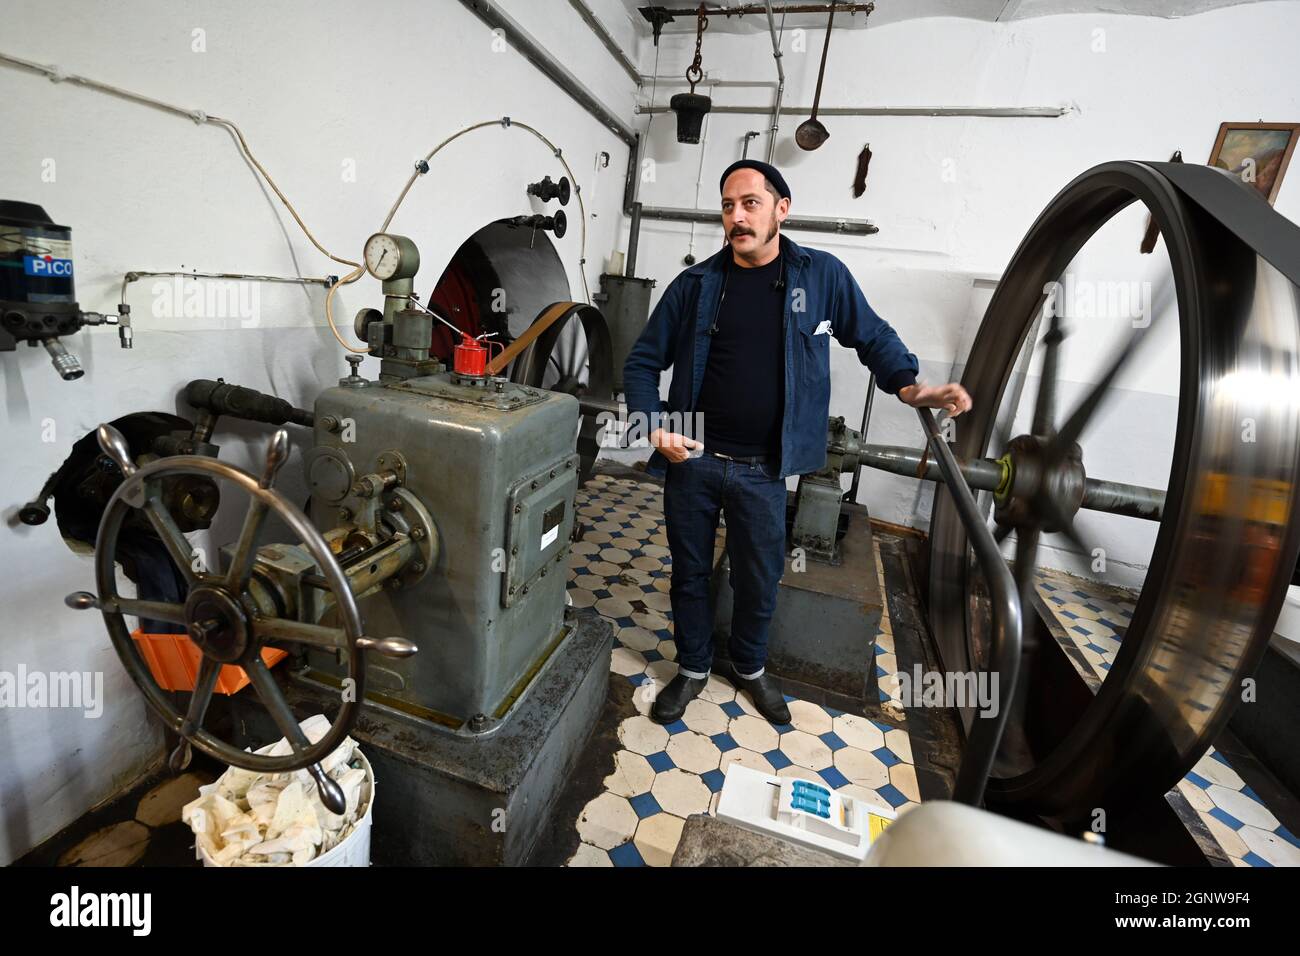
(173, 660)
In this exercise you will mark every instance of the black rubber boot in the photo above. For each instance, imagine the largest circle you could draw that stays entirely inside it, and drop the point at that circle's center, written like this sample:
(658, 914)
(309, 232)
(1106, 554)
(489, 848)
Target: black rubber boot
(670, 703)
(766, 695)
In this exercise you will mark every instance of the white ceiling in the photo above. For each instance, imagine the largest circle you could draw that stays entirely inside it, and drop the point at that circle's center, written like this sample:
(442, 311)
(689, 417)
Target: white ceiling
(891, 11)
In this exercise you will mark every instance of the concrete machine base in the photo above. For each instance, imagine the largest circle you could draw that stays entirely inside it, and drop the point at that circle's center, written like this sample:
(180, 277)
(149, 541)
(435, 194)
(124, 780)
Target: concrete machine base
(823, 633)
(445, 797)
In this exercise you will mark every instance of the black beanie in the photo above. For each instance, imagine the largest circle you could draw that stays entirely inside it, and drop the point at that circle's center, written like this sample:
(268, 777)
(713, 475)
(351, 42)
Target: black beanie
(767, 169)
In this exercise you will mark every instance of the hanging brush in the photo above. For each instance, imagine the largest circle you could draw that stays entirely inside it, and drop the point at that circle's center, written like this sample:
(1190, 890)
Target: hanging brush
(860, 177)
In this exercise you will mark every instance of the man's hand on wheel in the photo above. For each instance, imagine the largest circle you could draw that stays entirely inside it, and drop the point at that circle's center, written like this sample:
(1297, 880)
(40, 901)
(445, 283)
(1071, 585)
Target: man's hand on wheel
(952, 398)
(676, 448)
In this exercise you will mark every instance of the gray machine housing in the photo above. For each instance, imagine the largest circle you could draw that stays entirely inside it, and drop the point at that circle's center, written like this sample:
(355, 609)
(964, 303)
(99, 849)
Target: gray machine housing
(494, 465)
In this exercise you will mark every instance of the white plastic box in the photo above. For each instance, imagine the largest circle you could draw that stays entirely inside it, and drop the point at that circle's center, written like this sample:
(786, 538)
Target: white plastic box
(803, 810)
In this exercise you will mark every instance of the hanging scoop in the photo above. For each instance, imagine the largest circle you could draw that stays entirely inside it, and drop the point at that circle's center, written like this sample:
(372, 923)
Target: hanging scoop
(811, 133)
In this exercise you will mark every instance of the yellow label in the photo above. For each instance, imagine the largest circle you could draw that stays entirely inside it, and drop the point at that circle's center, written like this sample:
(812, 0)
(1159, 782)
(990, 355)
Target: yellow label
(876, 825)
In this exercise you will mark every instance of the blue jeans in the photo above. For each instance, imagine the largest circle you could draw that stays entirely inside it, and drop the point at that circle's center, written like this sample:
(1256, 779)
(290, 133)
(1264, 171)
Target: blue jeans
(753, 498)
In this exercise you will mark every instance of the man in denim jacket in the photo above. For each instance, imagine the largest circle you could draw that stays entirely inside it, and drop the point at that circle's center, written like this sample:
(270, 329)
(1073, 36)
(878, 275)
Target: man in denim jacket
(748, 333)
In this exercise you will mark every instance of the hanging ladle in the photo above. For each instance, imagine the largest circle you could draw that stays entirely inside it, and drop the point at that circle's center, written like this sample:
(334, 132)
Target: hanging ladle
(811, 133)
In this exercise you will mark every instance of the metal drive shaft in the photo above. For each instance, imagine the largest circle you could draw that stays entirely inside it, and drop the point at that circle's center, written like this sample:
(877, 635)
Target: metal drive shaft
(985, 474)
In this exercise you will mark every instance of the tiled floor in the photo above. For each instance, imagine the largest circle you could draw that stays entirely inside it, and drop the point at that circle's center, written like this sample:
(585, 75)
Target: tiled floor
(1243, 827)
(664, 774)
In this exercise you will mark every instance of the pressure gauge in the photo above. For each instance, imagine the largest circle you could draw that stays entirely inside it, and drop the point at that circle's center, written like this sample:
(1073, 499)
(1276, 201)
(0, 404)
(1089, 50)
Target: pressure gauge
(391, 257)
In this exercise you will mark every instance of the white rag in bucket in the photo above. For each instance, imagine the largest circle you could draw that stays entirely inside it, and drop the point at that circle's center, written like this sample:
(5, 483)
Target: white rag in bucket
(255, 819)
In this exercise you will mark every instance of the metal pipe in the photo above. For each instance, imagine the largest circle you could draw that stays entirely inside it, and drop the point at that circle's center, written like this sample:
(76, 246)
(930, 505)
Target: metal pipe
(980, 473)
(603, 35)
(1133, 501)
(1047, 112)
(780, 82)
(708, 79)
(633, 238)
(137, 275)
(630, 178)
(986, 474)
(669, 13)
(1004, 600)
(848, 227)
(539, 57)
(497, 19)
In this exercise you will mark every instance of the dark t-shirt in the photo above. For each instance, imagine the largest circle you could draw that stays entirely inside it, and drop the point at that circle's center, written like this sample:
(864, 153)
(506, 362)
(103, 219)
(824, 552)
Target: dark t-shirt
(742, 397)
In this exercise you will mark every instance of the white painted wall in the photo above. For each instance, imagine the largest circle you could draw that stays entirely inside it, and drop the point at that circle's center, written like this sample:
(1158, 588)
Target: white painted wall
(313, 86)
(954, 196)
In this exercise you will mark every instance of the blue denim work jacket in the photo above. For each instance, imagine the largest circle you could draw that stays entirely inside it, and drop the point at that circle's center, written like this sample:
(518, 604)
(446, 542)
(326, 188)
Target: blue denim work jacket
(821, 299)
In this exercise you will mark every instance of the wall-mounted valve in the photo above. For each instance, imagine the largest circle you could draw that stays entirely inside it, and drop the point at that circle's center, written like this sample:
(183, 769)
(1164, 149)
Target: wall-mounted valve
(559, 223)
(37, 511)
(546, 190)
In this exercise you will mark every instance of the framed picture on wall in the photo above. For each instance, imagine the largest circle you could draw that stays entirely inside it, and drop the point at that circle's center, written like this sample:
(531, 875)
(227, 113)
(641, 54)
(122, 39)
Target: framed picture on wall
(1257, 152)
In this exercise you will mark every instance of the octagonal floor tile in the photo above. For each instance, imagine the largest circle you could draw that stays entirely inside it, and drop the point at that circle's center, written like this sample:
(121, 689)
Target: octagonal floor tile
(680, 793)
(694, 752)
(642, 735)
(606, 821)
(632, 774)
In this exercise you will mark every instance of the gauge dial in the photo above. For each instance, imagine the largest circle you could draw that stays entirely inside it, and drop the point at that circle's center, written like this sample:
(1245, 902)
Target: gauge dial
(391, 257)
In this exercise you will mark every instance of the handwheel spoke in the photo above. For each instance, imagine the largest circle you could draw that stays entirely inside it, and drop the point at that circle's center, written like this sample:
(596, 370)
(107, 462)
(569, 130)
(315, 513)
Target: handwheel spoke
(241, 563)
(204, 684)
(173, 539)
(151, 610)
(331, 794)
(269, 692)
(315, 635)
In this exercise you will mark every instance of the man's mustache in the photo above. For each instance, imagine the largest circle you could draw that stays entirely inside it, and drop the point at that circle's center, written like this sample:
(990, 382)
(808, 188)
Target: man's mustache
(741, 231)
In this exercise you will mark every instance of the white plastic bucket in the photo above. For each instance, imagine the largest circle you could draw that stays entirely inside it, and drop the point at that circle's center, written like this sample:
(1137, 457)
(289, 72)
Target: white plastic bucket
(353, 849)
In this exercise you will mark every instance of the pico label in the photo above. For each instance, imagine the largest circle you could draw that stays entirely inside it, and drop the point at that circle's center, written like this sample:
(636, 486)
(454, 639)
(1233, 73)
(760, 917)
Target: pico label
(47, 266)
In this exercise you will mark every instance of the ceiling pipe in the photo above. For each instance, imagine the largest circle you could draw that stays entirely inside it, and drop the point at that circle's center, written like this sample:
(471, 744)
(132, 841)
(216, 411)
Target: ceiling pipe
(709, 79)
(531, 50)
(610, 43)
(497, 19)
(780, 83)
(1050, 112)
(846, 227)
(666, 14)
